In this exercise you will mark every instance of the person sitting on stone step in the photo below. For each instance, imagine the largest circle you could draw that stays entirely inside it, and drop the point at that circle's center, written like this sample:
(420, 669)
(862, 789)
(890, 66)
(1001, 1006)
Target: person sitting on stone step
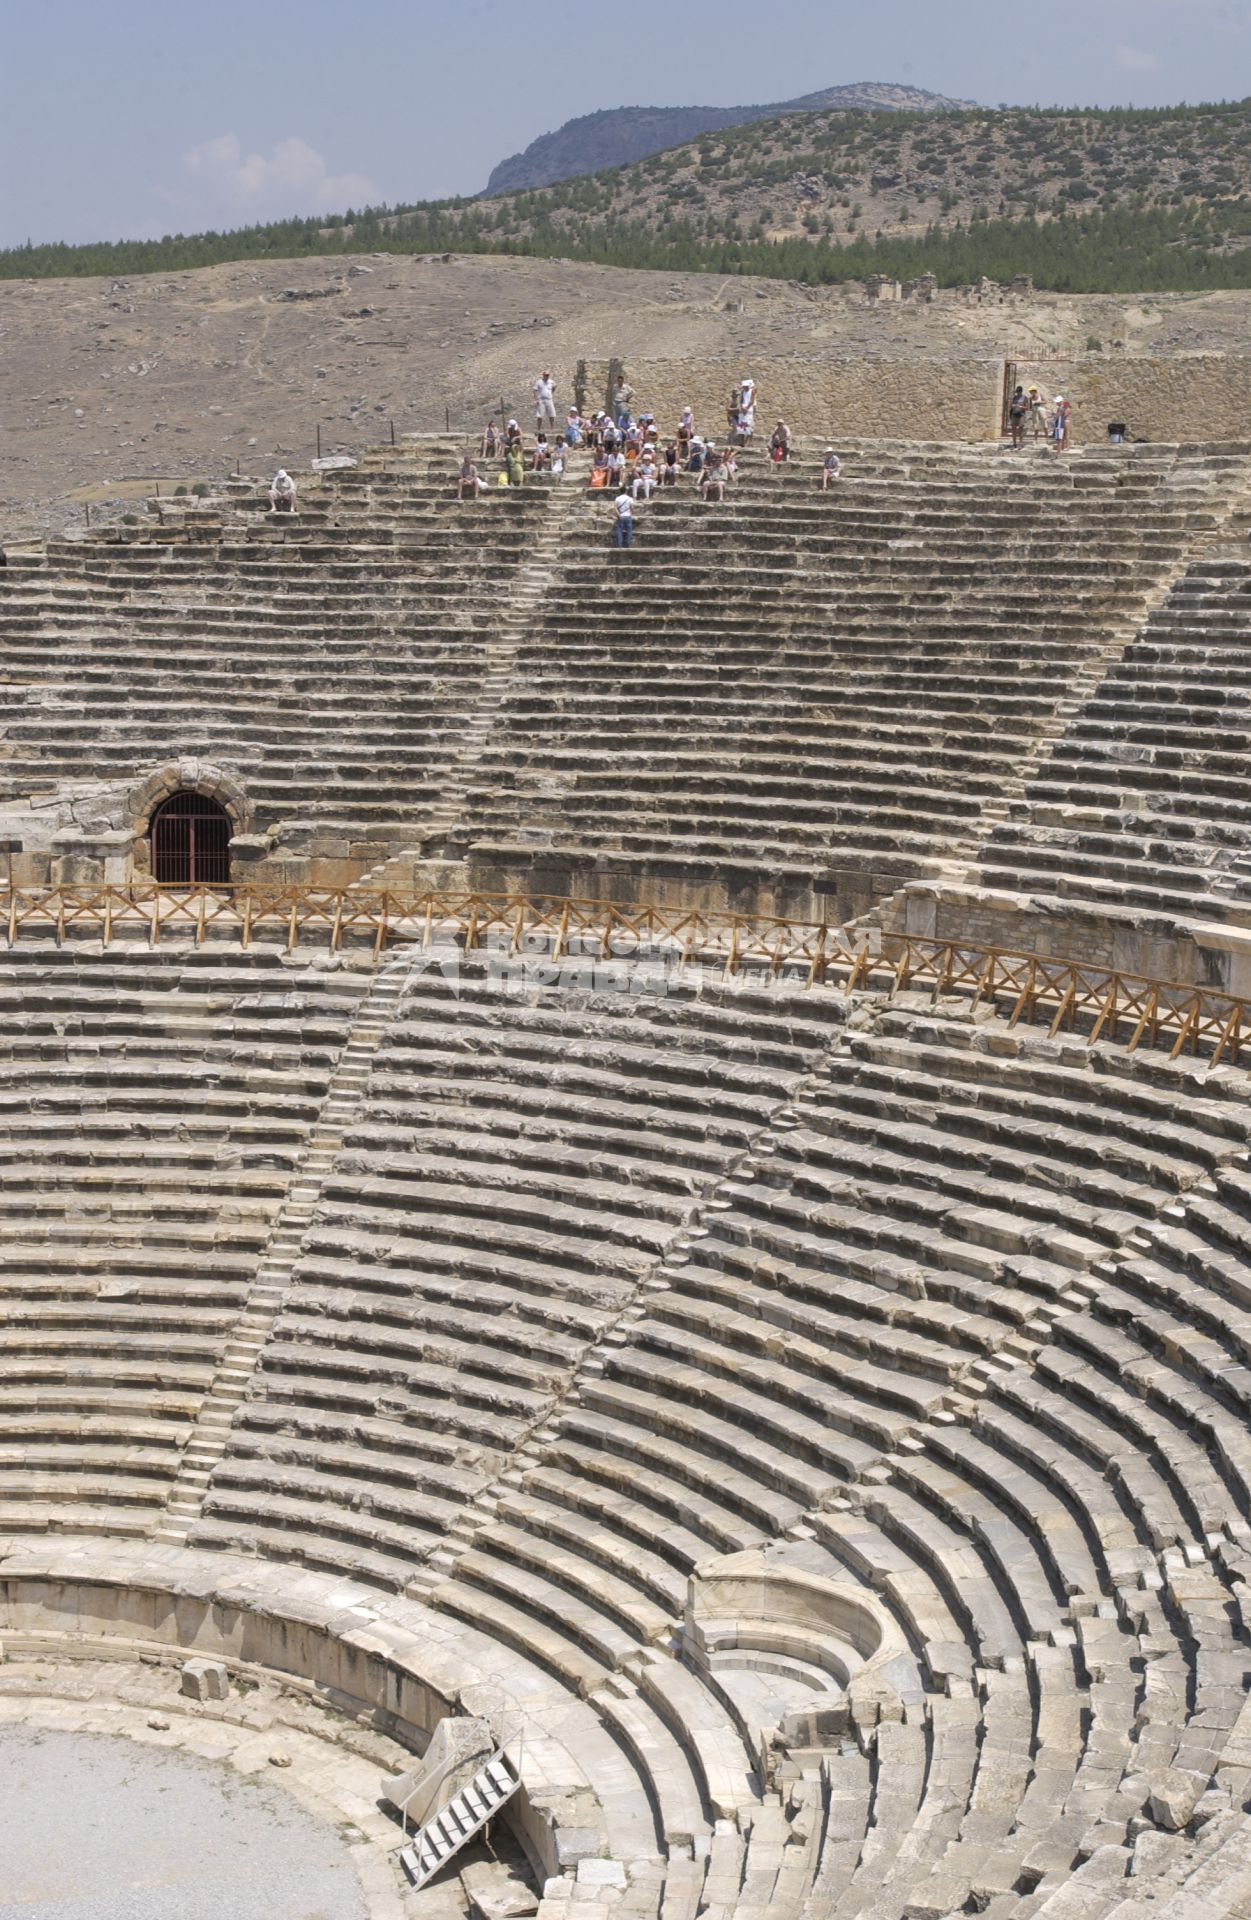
(645, 475)
(282, 493)
(713, 480)
(490, 440)
(573, 428)
(616, 464)
(541, 458)
(469, 482)
(831, 468)
(780, 443)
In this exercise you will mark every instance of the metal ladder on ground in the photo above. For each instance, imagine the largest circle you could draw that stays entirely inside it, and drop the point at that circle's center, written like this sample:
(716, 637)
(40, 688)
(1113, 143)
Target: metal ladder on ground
(466, 1813)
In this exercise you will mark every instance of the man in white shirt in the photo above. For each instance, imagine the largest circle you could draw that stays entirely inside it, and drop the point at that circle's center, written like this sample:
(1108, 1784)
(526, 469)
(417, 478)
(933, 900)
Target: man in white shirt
(545, 400)
(623, 525)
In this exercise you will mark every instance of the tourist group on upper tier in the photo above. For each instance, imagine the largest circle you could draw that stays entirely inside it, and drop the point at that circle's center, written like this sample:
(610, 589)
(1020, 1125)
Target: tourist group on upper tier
(1027, 409)
(630, 458)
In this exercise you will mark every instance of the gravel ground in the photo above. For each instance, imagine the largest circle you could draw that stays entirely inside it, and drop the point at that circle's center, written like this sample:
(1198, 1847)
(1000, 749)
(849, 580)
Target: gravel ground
(94, 1828)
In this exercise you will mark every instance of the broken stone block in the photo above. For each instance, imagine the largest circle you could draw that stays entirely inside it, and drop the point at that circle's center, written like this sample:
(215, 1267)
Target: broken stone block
(205, 1680)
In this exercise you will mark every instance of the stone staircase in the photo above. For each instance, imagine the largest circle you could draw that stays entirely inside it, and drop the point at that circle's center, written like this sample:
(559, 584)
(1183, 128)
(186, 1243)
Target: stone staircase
(437, 837)
(232, 1381)
(327, 661)
(1137, 805)
(832, 686)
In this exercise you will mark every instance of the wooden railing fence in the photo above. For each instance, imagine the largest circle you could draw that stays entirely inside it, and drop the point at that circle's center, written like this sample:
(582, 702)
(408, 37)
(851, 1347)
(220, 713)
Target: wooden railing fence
(1098, 1002)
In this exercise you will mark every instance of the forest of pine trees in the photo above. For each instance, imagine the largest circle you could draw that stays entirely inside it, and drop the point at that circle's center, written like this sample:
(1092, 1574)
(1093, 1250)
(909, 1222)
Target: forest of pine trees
(1111, 202)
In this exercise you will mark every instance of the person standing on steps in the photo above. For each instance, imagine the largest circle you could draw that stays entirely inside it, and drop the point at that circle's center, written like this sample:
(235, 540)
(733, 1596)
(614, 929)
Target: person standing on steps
(1060, 419)
(622, 396)
(1037, 413)
(545, 401)
(746, 409)
(515, 463)
(623, 523)
(1018, 412)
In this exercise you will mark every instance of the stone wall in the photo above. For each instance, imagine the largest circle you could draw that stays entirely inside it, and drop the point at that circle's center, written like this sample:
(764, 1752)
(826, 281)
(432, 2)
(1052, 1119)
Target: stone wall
(1173, 397)
(384, 1659)
(1150, 946)
(1199, 396)
(869, 398)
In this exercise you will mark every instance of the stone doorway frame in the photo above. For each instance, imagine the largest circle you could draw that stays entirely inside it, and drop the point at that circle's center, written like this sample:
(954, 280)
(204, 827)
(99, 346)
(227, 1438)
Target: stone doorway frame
(181, 776)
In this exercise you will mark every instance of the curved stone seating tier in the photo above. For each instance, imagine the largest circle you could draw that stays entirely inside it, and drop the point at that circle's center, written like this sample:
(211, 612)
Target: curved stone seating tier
(1144, 802)
(792, 678)
(523, 1160)
(153, 1108)
(330, 663)
(858, 1350)
(607, 1291)
(852, 676)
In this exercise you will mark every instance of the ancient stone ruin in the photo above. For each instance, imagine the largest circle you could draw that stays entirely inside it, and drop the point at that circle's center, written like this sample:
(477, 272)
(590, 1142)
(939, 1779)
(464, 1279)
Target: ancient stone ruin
(650, 1150)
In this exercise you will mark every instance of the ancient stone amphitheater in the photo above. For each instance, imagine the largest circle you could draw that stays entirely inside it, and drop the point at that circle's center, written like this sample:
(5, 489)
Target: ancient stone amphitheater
(653, 1147)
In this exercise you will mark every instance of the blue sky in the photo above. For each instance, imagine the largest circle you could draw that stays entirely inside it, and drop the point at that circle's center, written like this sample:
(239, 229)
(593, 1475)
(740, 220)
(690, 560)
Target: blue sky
(179, 114)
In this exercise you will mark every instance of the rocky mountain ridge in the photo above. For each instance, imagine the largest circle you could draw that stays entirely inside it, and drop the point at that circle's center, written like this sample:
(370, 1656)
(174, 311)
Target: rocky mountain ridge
(616, 136)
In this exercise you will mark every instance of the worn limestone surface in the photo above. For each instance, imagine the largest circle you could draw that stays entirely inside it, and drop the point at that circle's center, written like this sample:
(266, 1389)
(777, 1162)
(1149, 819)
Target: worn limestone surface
(810, 1424)
(100, 1829)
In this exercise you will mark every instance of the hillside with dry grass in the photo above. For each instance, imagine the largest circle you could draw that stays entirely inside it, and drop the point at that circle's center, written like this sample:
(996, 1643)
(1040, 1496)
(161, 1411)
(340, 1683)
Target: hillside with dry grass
(1109, 201)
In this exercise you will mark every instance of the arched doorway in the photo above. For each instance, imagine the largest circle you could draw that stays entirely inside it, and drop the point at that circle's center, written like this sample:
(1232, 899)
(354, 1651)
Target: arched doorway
(191, 842)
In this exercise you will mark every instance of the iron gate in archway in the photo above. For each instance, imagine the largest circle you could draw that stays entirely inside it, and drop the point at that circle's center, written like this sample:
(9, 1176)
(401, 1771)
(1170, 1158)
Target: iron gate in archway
(191, 842)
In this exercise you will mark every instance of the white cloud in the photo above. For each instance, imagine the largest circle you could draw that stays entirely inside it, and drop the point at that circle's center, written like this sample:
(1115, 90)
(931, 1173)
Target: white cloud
(219, 185)
(1136, 60)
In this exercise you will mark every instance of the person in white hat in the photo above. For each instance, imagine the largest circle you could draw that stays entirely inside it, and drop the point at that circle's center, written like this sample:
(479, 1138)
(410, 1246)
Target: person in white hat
(282, 493)
(831, 467)
(1060, 416)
